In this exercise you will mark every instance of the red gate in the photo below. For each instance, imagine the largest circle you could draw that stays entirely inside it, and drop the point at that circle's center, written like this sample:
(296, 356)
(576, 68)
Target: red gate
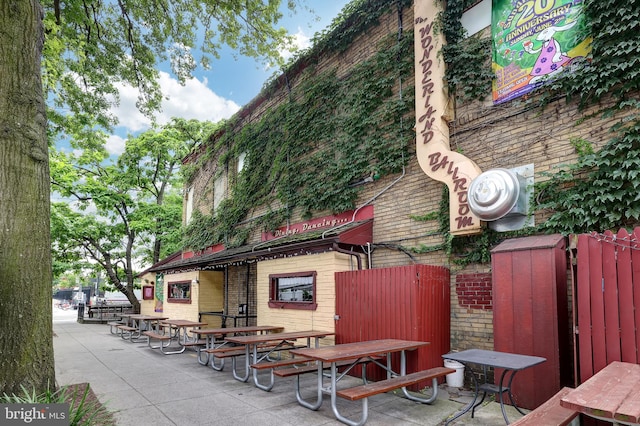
(607, 300)
(406, 302)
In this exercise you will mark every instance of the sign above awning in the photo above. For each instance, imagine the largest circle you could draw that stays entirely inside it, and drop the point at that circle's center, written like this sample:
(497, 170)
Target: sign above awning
(352, 235)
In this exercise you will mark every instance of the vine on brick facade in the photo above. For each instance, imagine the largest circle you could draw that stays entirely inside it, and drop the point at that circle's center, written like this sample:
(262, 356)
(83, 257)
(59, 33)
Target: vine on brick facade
(364, 119)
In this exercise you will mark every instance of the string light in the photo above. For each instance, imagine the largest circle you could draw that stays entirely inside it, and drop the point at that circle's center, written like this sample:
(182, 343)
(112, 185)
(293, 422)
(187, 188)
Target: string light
(629, 241)
(222, 265)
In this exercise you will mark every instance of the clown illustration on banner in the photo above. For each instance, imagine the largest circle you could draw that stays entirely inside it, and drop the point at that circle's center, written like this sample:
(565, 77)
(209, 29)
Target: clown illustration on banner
(533, 41)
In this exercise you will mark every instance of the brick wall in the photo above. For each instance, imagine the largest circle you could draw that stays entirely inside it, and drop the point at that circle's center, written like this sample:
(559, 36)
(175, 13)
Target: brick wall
(508, 135)
(242, 290)
(474, 291)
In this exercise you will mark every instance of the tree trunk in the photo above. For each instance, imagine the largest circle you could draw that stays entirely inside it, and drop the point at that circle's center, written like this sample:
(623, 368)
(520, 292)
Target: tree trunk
(26, 341)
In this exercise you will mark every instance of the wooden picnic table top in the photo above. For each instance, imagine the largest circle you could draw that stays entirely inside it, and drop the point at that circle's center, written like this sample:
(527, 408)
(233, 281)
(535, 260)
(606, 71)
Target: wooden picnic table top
(612, 394)
(353, 350)
(139, 317)
(276, 337)
(184, 323)
(248, 329)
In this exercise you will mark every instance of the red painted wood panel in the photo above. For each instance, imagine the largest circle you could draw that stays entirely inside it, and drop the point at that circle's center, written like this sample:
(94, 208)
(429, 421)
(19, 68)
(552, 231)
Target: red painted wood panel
(610, 300)
(598, 341)
(625, 299)
(635, 267)
(545, 306)
(608, 292)
(583, 294)
(408, 302)
(503, 319)
(529, 274)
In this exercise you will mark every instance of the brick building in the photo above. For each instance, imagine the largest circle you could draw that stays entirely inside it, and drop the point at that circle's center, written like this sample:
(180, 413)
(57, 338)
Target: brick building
(392, 221)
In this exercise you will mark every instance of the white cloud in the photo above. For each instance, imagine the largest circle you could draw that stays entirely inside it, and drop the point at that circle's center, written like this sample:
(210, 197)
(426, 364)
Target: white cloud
(115, 145)
(194, 100)
(300, 42)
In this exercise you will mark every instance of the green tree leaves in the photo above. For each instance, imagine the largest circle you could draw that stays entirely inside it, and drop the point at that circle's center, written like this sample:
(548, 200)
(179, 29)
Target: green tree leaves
(93, 47)
(124, 213)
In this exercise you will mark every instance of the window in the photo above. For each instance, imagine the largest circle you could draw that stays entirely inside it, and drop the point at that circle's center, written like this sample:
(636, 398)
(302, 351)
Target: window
(293, 291)
(476, 17)
(241, 161)
(179, 292)
(188, 205)
(219, 190)
(147, 292)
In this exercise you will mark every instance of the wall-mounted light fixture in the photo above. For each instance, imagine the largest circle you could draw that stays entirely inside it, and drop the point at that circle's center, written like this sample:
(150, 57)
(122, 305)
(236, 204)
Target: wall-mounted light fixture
(195, 281)
(501, 197)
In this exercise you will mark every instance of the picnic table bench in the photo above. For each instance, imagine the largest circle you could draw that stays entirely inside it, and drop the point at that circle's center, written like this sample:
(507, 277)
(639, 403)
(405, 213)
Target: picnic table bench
(550, 412)
(229, 351)
(138, 324)
(175, 329)
(211, 336)
(124, 328)
(108, 311)
(369, 389)
(113, 326)
(162, 338)
(278, 341)
(357, 352)
(300, 365)
(233, 351)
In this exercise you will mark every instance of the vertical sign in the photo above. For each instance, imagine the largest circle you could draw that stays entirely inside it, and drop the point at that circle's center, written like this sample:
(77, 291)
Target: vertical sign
(533, 41)
(159, 293)
(432, 130)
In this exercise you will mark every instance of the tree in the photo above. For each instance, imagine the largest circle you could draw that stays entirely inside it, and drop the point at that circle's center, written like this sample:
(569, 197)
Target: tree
(120, 210)
(26, 343)
(78, 52)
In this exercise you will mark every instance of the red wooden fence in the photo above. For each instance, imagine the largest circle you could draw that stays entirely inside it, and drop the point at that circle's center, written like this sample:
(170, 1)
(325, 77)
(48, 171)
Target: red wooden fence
(405, 302)
(607, 300)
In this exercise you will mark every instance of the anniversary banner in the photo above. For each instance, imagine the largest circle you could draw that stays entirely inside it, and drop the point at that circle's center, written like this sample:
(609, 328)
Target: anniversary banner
(533, 41)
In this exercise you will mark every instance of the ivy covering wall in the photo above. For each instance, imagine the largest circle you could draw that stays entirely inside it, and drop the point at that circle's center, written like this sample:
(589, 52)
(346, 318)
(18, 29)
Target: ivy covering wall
(308, 153)
(600, 190)
(368, 124)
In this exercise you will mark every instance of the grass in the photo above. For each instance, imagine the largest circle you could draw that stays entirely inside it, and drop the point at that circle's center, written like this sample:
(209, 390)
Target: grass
(84, 407)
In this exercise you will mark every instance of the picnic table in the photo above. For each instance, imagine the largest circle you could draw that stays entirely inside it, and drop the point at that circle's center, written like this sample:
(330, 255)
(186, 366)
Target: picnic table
(612, 394)
(369, 351)
(509, 362)
(211, 334)
(108, 311)
(136, 324)
(177, 331)
(266, 345)
(114, 326)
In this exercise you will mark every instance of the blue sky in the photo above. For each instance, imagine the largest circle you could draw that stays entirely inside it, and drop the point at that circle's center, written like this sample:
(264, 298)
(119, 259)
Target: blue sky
(231, 82)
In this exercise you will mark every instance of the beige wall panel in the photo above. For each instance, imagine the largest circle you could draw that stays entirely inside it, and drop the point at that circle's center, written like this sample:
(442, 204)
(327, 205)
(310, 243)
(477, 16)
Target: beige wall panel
(325, 265)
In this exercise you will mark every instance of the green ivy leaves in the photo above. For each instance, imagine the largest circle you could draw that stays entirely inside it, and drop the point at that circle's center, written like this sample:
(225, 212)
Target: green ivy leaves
(307, 152)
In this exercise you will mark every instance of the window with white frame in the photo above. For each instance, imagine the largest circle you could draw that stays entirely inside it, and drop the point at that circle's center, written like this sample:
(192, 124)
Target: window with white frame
(293, 291)
(179, 292)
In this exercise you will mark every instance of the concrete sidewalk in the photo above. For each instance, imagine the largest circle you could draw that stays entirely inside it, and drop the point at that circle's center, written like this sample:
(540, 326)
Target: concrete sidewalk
(144, 387)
